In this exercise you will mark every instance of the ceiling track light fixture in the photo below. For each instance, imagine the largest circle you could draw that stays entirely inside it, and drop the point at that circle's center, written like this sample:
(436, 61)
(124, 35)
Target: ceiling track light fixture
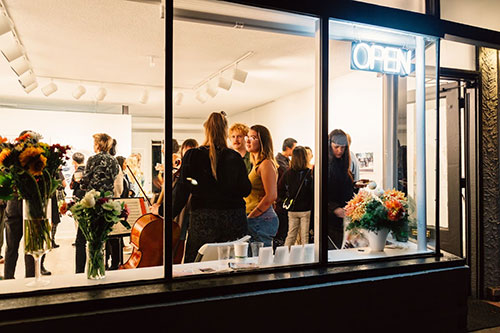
(79, 92)
(14, 52)
(178, 98)
(31, 87)
(49, 89)
(144, 97)
(223, 82)
(101, 94)
(202, 98)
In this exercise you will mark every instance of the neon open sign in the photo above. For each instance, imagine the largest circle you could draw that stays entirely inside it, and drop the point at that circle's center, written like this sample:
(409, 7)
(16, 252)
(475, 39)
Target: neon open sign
(379, 58)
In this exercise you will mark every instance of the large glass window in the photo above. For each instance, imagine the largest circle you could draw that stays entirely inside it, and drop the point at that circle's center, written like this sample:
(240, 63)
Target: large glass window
(411, 5)
(380, 138)
(94, 73)
(259, 68)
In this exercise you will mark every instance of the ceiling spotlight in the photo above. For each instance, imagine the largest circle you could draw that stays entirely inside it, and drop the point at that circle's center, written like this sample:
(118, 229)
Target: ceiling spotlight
(225, 83)
(212, 90)
(152, 61)
(12, 49)
(201, 97)
(240, 75)
(5, 23)
(79, 92)
(27, 78)
(178, 98)
(101, 93)
(144, 97)
(20, 65)
(49, 89)
(31, 87)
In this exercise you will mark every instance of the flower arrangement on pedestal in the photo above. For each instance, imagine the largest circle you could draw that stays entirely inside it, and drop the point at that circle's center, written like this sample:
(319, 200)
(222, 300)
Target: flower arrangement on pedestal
(28, 170)
(96, 214)
(378, 212)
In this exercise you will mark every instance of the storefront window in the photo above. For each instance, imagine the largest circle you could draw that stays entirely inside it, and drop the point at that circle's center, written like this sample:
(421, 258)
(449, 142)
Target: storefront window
(88, 80)
(381, 86)
(255, 70)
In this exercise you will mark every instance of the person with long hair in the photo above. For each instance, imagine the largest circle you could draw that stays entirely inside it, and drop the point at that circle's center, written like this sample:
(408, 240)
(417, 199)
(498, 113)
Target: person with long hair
(297, 184)
(340, 184)
(262, 219)
(216, 178)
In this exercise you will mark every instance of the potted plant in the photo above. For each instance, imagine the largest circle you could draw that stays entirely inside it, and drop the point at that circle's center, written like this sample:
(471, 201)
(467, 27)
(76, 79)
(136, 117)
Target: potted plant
(378, 212)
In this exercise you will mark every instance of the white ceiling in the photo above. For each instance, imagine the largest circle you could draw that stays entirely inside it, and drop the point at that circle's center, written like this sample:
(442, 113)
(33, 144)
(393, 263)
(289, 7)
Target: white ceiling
(108, 43)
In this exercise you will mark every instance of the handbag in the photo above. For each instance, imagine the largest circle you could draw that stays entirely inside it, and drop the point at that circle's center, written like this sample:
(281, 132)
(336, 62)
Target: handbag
(288, 202)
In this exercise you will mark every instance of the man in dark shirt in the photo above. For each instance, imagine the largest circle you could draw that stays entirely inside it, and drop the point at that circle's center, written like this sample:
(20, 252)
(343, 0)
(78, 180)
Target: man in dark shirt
(283, 160)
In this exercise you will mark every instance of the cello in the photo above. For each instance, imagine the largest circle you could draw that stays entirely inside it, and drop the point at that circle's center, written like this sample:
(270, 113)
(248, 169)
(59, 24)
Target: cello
(146, 238)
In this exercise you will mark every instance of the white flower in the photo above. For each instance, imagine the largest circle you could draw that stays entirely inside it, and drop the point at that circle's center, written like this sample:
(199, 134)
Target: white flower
(372, 185)
(379, 192)
(88, 200)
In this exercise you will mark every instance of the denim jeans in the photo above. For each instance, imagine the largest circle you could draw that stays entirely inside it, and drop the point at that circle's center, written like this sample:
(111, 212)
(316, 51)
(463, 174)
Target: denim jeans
(264, 227)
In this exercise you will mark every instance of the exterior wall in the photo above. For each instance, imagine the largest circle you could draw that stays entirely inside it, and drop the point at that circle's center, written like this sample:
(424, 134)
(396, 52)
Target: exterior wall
(489, 154)
(430, 300)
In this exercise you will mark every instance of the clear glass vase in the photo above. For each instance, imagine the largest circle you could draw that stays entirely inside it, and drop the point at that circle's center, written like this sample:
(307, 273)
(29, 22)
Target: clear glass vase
(37, 237)
(96, 263)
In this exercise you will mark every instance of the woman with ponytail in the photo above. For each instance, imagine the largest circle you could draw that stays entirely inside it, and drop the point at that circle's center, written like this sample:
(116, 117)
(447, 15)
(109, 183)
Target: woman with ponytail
(216, 178)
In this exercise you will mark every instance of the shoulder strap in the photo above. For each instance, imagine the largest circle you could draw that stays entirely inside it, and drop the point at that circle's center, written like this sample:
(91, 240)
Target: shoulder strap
(301, 183)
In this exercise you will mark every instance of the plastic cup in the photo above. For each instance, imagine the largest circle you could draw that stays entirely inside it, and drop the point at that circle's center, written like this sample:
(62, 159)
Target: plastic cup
(296, 254)
(281, 256)
(223, 256)
(240, 251)
(265, 256)
(255, 247)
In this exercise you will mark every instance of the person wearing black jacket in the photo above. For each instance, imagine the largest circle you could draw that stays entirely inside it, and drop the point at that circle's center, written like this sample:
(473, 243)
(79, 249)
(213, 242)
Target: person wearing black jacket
(340, 184)
(217, 180)
(297, 184)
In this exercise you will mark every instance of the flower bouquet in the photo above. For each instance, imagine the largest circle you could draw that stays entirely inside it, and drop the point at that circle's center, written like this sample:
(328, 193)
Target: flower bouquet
(96, 214)
(378, 212)
(28, 170)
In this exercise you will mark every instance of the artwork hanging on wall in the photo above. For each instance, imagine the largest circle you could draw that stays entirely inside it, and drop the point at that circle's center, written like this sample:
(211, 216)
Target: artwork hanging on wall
(365, 161)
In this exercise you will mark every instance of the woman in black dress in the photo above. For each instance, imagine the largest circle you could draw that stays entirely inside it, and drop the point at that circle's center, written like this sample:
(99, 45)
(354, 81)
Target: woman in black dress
(216, 177)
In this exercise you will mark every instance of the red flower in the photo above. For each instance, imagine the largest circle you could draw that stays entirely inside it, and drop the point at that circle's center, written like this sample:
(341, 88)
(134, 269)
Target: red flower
(395, 209)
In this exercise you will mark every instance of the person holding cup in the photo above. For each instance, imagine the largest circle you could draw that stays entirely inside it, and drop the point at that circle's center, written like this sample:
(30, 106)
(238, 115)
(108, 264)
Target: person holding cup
(262, 219)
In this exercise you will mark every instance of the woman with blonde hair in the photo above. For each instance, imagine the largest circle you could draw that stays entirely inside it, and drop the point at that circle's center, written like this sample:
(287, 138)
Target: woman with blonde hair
(216, 178)
(262, 219)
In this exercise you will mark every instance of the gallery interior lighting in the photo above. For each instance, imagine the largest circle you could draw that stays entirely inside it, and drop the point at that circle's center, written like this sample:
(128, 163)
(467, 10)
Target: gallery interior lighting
(101, 94)
(26, 79)
(20, 65)
(5, 23)
(222, 78)
(79, 92)
(49, 89)
(178, 98)
(13, 50)
(239, 75)
(31, 87)
(201, 97)
(212, 90)
(225, 83)
(144, 97)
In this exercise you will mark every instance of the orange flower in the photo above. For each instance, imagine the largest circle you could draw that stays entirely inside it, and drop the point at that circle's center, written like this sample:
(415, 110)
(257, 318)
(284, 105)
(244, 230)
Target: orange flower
(395, 209)
(23, 137)
(2, 139)
(33, 158)
(3, 155)
(355, 208)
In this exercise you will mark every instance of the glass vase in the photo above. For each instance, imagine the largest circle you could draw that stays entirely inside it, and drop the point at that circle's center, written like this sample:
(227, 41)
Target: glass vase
(37, 238)
(96, 268)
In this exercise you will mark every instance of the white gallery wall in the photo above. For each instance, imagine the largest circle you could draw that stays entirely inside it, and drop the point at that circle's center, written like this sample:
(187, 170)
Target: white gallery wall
(68, 128)
(355, 107)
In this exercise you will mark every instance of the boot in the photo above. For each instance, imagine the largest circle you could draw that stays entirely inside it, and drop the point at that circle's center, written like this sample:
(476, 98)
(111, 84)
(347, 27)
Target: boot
(43, 270)
(54, 229)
